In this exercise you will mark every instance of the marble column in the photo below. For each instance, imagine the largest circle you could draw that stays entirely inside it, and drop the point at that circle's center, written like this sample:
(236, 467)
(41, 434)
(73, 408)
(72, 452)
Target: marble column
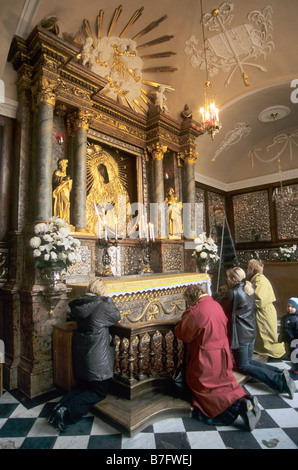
(157, 151)
(190, 194)
(82, 121)
(44, 149)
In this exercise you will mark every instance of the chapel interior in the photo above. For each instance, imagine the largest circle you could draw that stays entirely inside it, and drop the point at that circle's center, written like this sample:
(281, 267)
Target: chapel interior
(109, 95)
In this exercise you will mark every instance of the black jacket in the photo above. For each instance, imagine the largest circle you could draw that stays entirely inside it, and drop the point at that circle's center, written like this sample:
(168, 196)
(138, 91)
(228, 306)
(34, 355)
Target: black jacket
(93, 357)
(239, 308)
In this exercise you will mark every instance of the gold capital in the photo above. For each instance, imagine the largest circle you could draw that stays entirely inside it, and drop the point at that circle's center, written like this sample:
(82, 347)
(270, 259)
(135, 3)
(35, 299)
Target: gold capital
(157, 151)
(47, 91)
(83, 119)
(191, 157)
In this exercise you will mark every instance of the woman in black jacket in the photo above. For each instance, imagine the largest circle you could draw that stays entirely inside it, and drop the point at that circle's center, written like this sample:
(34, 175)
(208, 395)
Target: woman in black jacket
(93, 357)
(239, 305)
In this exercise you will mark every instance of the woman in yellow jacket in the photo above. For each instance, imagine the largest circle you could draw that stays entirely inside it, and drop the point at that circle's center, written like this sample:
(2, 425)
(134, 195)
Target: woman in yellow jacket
(266, 342)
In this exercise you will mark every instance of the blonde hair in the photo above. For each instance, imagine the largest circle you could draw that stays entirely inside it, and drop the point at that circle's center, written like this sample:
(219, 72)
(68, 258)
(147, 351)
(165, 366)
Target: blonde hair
(256, 265)
(97, 286)
(237, 275)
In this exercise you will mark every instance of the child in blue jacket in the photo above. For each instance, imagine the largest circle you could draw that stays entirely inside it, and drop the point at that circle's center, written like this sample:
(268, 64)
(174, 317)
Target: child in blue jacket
(289, 334)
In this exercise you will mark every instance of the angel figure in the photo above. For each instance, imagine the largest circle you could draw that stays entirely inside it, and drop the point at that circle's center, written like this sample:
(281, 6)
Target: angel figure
(160, 99)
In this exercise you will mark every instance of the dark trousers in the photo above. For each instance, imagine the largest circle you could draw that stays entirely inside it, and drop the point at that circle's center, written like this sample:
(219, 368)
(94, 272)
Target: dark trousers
(224, 419)
(81, 399)
(269, 375)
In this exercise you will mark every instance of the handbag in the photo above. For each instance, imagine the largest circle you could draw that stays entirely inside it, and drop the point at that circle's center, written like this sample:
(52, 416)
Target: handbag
(178, 378)
(180, 387)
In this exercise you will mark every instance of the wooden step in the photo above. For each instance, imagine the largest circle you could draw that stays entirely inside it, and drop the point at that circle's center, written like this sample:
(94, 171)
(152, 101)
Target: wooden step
(132, 416)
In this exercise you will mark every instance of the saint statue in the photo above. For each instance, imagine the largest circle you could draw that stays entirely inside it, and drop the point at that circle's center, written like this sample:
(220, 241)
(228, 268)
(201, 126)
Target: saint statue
(175, 217)
(62, 185)
(107, 199)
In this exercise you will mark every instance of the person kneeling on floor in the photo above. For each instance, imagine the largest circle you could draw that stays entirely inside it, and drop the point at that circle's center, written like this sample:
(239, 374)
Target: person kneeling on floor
(93, 357)
(217, 397)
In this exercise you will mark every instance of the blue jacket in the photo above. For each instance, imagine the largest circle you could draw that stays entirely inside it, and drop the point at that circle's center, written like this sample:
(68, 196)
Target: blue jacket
(288, 328)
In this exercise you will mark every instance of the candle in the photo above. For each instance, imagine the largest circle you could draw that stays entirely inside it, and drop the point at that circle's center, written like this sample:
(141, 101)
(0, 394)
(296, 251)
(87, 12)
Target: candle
(153, 238)
(140, 227)
(147, 232)
(106, 233)
(116, 229)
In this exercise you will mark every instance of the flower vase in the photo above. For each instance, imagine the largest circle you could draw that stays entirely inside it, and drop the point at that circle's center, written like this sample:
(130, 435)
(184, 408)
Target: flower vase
(52, 278)
(203, 268)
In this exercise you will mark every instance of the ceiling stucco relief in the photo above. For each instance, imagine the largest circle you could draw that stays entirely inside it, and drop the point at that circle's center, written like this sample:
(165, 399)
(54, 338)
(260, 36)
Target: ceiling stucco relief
(236, 48)
(282, 145)
(232, 137)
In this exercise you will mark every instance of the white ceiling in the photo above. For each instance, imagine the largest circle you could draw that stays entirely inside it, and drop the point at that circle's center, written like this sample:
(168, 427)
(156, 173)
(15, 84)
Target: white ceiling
(258, 38)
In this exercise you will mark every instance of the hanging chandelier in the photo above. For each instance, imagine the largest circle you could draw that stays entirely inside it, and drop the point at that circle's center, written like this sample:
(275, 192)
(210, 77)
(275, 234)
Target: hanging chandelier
(282, 193)
(209, 113)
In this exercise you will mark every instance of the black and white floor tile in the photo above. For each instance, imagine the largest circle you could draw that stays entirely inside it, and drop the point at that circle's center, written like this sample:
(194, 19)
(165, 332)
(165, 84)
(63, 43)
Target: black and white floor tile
(23, 425)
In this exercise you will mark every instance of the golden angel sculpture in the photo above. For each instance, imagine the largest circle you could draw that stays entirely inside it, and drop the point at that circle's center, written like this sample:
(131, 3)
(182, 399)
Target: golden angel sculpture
(107, 198)
(175, 216)
(62, 185)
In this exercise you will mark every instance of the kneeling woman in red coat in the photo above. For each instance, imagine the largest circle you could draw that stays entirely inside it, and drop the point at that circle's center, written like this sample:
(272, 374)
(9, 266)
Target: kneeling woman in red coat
(215, 392)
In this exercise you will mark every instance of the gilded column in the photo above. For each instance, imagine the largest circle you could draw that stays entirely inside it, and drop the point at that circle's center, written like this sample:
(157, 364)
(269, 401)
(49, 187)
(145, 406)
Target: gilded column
(157, 151)
(82, 121)
(190, 194)
(47, 94)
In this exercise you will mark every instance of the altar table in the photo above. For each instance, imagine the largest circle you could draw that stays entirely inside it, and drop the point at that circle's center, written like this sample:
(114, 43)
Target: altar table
(149, 297)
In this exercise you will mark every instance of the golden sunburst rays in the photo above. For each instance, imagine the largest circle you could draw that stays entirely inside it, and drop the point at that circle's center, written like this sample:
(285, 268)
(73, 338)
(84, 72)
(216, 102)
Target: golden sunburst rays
(117, 58)
(115, 163)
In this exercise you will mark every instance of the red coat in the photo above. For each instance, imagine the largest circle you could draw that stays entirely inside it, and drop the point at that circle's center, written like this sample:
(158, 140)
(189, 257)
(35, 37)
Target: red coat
(208, 362)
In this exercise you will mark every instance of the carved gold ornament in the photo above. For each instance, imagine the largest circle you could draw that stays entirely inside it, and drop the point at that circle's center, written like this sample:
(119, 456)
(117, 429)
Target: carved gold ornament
(48, 90)
(117, 59)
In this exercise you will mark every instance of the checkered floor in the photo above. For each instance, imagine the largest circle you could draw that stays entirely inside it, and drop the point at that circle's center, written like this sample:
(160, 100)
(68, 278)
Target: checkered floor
(23, 425)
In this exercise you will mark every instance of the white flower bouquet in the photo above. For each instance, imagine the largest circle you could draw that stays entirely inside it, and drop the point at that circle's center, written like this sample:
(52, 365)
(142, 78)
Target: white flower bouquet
(52, 245)
(288, 253)
(206, 250)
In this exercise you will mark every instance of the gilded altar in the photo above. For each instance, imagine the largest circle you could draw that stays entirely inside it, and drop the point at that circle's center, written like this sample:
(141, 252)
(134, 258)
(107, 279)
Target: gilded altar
(149, 298)
(86, 156)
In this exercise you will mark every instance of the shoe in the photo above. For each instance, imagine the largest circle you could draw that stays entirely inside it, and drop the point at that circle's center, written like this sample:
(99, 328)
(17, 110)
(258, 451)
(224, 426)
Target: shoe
(250, 412)
(61, 418)
(254, 401)
(53, 415)
(289, 385)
